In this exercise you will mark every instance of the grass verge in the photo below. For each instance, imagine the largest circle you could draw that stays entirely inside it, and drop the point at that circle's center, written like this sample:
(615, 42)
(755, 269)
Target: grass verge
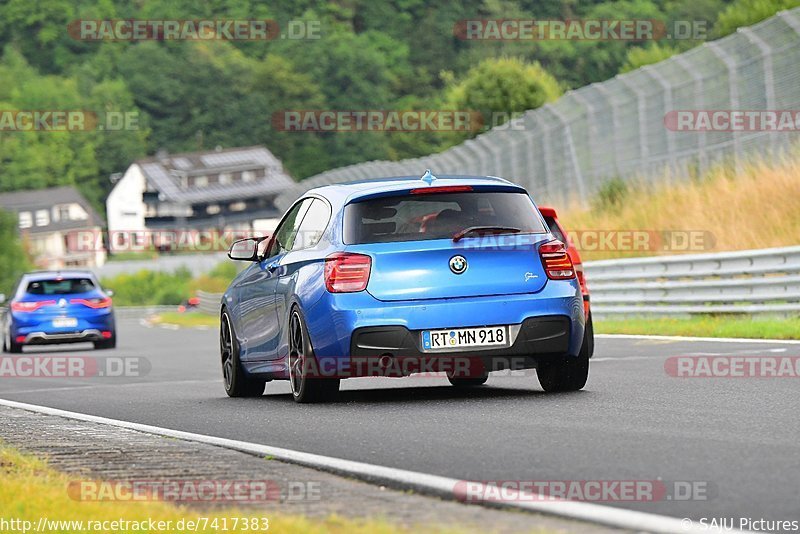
(30, 490)
(725, 209)
(704, 326)
(187, 319)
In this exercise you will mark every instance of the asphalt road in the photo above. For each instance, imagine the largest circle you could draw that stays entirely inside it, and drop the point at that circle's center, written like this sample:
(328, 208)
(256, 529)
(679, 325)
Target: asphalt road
(739, 438)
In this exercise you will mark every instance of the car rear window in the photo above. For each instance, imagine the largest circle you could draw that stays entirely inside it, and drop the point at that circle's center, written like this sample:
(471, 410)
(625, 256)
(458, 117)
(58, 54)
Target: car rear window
(436, 216)
(64, 286)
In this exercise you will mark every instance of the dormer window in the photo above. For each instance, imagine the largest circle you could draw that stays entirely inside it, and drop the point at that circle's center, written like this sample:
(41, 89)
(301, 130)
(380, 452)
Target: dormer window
(225, 178)
(201, 181)
(25, 219)
(42, 217)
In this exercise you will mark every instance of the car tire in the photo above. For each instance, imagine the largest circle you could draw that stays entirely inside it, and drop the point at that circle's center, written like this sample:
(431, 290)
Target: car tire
(237, 382)
(567, 373)
(301, 361)
(106, 343)
(588, 337)
(9, 345)
(468, 382)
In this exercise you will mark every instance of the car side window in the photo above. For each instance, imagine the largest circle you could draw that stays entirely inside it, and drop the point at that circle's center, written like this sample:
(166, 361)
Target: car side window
(287, 231)
(313, 225)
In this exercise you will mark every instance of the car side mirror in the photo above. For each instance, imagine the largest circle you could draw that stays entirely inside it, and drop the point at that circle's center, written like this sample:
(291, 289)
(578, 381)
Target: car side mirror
(245, 249)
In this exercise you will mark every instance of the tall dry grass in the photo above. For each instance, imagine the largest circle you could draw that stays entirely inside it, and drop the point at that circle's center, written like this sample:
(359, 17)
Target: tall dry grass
(759, 207)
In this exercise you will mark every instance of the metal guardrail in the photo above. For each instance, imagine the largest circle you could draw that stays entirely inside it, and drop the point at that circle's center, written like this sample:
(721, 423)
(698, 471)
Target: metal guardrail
(209, 302)
(747, 282)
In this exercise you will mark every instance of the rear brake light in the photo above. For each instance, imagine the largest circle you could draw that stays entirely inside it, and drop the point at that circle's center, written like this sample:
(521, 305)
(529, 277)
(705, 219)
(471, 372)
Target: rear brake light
(93, 303)
(441, 189)
(581, 278)
(556, 261)
(346, 272)
(30, 306)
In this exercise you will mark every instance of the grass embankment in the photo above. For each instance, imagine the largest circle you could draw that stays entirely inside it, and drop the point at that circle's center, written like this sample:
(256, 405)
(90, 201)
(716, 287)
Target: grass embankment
(704, 326)
(756, 208)
(145, 288)
(30, 490)
(189, 319)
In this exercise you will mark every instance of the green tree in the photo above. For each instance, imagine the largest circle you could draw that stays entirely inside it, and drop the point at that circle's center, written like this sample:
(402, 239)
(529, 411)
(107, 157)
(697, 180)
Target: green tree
(14, 260)
(748, 12)
(499, 88)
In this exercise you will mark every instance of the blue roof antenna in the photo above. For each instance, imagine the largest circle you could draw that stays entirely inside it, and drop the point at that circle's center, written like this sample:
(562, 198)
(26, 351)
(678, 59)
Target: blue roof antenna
(428, 177)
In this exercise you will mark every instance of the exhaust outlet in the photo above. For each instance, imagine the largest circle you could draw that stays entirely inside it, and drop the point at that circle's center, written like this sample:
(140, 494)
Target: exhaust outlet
(386, 361)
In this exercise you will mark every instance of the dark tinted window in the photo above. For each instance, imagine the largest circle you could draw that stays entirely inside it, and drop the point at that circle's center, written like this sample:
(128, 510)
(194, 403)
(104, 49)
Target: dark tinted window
(287, 231)
(555, 229)
(437, 216)
(313, 225)
(66, 286)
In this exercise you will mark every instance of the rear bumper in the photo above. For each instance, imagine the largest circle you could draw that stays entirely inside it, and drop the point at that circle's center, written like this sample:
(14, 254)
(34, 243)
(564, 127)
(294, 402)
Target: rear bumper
(43, 338)
(40, 330)
(358, 326)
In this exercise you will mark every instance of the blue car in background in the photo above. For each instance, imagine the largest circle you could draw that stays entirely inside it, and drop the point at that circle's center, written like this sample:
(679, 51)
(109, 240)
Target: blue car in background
(397, 276)
(59, 307)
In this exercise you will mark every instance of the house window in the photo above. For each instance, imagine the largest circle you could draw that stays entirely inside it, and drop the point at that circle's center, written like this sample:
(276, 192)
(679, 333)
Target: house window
(248, 176)
(201, 181)
(25, 219)
(42, 217)
(238, 206)
(61, 213)
(213, 209)
(225, 178)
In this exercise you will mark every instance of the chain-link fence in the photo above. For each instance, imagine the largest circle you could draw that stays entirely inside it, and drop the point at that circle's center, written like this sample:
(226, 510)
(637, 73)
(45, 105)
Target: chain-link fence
(617, 129)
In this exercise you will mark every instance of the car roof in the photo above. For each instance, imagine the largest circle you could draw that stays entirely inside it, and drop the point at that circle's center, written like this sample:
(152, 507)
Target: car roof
(49, 275)
(345, 192)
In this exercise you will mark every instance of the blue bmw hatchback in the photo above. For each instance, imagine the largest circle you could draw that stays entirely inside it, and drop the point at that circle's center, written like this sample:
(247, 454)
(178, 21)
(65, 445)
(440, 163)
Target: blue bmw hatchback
(59, 307)
(398, 276)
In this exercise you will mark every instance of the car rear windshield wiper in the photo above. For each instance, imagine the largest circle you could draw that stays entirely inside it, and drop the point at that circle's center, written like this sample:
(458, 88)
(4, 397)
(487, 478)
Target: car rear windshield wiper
(483, 230)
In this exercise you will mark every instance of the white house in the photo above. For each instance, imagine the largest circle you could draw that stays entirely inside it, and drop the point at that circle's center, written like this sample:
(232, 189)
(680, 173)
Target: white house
(59, 227)
(201, 191)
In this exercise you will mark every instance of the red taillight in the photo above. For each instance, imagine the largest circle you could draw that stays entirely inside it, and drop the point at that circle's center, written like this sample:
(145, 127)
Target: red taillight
(21, 339)
(556, 261)
(93, 303)
(581, 278)
(30, 306)
(346, 272)
(106, 334)
(441, 189)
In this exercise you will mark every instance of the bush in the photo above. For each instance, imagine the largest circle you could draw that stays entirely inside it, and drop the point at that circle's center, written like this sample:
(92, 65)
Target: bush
(150, 287)
(611, 195)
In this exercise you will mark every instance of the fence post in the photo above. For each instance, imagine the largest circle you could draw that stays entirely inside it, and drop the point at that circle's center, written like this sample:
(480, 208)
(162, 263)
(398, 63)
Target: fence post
(699, 104)
(733, 92)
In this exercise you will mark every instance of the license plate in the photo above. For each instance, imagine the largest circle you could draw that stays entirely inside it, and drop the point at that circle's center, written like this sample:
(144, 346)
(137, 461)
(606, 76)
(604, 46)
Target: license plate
(65, 322)
(491, 336)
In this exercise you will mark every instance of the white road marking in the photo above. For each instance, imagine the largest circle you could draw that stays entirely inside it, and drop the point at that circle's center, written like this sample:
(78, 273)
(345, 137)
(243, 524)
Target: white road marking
(689, 338)
(422, 482)
(100, 386)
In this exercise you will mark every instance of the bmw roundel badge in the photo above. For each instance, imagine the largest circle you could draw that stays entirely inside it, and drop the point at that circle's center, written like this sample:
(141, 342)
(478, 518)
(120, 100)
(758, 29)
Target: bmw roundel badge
(458, 264)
